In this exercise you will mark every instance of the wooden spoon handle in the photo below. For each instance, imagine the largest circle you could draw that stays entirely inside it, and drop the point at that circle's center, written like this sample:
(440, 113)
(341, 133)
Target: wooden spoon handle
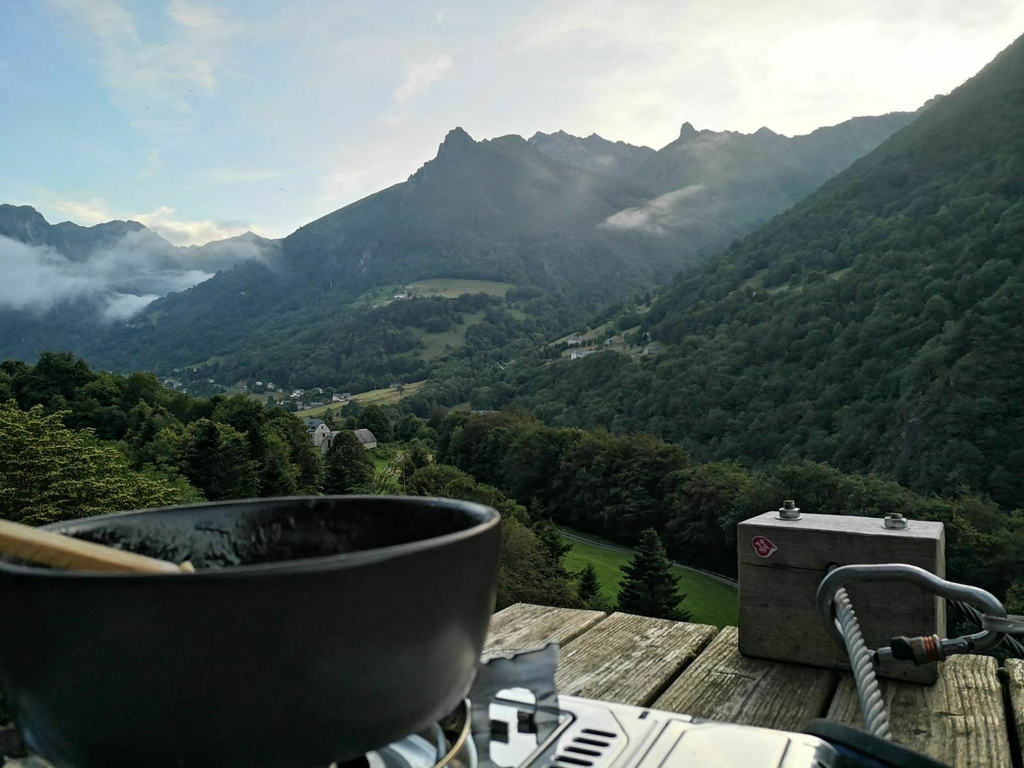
(38, 546)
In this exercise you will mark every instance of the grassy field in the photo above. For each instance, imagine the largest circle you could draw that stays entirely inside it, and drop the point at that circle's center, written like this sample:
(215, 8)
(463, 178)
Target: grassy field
(437, 343)
(451, 288)
(373, 397)
(708, 600)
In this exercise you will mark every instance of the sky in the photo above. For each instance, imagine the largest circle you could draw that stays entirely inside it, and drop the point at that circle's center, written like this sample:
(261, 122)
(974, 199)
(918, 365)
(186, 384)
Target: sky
(206, 119)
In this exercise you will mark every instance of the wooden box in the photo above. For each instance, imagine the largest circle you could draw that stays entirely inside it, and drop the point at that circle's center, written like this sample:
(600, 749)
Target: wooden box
(781, 563)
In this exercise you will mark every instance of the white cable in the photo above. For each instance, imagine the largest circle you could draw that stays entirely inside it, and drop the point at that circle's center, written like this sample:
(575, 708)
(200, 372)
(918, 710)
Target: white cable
(876, 718)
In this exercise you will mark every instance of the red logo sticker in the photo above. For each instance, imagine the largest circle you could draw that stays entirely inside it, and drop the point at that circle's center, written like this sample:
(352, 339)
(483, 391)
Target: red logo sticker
(762, 546)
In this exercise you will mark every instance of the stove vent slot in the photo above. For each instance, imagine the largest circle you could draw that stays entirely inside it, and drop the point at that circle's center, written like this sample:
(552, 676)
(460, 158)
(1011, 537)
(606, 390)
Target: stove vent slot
(591, 742)
(585, 749)
(572, 761)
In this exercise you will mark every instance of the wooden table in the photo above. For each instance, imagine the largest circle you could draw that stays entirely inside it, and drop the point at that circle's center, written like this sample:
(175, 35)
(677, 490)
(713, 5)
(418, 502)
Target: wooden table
(969, 718)
(964, 720)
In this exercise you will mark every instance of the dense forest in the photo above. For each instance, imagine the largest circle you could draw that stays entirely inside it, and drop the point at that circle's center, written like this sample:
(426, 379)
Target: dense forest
(618, 486)
(82, 442)
(874, 327)
(79, 442)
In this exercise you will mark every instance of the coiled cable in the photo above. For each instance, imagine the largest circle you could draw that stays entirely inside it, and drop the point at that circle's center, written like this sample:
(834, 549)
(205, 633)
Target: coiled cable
(876, 718)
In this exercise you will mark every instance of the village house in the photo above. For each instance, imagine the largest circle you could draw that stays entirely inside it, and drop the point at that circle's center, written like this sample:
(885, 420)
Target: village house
(575, 341)
(298, 392)
(344, 397)
(652, 349)
(317, 430)
(366, 437)
(576, 354)
(328, 441)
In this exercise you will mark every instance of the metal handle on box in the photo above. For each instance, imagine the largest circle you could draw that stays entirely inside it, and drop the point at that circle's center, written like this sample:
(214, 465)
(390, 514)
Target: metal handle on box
(978, 642)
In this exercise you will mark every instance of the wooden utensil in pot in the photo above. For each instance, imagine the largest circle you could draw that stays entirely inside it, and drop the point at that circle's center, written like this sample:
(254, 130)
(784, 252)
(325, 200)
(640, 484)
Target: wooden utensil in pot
(35, 545)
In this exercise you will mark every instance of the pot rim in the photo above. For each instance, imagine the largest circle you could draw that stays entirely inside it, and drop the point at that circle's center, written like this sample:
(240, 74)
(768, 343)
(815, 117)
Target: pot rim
(486, 518)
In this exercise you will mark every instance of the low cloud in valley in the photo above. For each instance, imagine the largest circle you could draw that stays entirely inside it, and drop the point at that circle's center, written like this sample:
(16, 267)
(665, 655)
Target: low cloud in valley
(656, 216)
(120, 278)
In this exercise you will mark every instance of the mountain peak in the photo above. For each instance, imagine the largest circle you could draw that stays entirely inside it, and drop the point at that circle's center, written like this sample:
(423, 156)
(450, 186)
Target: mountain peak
(456, 139)
(687, 131)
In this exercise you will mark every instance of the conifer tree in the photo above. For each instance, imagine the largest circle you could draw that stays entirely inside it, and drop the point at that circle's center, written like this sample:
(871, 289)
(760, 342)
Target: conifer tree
(588, 590)
(648, 587)
(347, 468)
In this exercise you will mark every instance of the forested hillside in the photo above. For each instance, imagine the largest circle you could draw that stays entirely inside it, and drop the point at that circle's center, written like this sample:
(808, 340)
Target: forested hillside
(616, 486)
(875, 326)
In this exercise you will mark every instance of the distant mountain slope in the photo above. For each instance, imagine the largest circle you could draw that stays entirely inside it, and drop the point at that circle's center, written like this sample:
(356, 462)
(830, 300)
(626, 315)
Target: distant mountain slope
(613, 158)
(876, 325)
(25, 224)
(532, 213)
(64, 284)
(494, 210)
(739, 180)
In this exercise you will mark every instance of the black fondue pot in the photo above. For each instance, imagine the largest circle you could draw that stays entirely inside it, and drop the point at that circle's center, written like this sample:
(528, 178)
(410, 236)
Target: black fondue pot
(314, 629)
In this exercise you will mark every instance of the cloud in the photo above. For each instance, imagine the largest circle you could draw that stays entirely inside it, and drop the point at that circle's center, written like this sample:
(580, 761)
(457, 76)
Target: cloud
(84, 212)
(122, 306)
(420, 75)
(181, 231)
(37, 278)
(118, 279)
(634, 71)
(658, 215)
(163, 220)
(155, 82)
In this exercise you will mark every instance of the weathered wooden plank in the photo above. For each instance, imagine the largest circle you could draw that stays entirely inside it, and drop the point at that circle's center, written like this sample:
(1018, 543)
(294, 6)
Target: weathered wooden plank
(723, 685)
(960, 720)
(527, 626)
(1015, 676)
(629, 659)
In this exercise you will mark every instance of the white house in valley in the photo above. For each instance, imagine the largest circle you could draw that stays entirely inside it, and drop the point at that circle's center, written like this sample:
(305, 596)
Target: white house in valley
(317, 430)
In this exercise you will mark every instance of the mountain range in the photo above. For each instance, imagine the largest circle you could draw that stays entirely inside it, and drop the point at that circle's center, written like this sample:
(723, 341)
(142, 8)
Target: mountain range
(874, 326)
(582, 221)
(740, 179)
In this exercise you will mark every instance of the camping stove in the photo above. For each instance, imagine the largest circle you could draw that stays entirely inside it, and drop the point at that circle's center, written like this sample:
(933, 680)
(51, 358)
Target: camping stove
(516, 720)
(597, 734)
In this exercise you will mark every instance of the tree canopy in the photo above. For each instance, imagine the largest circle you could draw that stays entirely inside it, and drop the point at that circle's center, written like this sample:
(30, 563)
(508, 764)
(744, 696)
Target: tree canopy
(50, 473)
